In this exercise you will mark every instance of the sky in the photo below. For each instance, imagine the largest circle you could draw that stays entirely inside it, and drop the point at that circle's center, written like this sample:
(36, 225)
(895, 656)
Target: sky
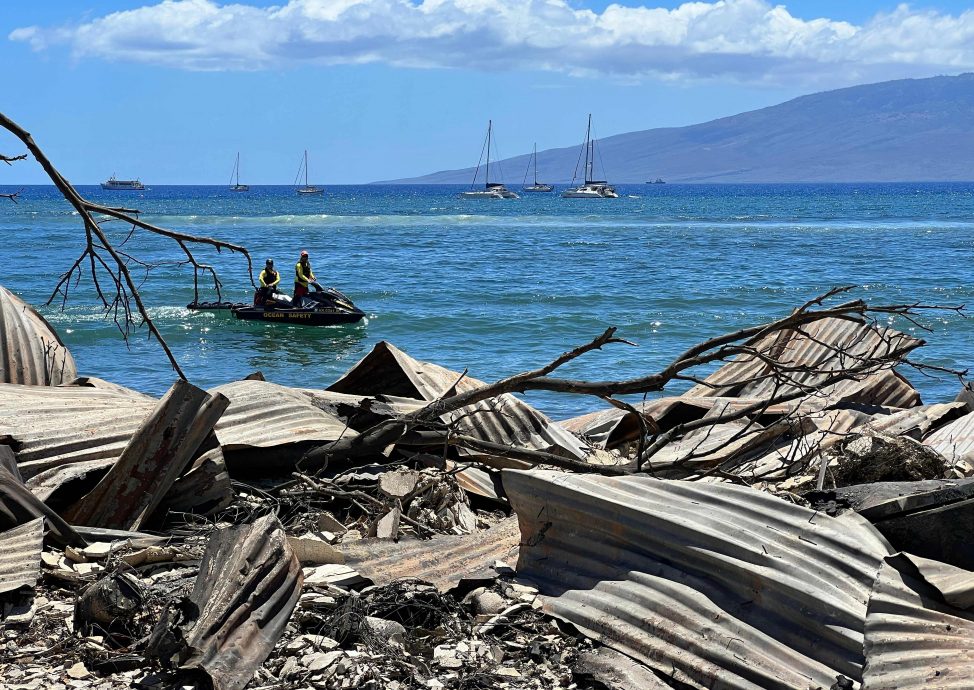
(169, 91)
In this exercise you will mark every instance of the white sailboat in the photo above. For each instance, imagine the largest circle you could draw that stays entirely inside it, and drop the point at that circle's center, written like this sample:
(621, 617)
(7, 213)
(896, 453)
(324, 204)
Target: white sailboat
(235, 185)
(590, 189)
(307, 188)
(491, 190)
(537, 186)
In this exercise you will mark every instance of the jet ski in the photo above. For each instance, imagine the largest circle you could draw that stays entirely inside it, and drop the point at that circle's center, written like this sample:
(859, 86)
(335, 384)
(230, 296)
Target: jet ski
(322, 307)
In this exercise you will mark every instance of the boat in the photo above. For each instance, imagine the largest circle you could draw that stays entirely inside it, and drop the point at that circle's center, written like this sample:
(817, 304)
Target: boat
(590, 189)
(537, 186)
(235, 185)
(129, 185)
(658, 180)
(321, 307)
(491, 190)
(307, 188)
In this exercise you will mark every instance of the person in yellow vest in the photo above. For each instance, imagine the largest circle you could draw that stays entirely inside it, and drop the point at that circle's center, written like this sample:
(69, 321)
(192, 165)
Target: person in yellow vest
(302, 276)
(269, 278)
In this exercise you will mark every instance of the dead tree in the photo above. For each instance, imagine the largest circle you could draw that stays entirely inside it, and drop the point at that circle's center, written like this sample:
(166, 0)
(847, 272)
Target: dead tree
(107, 265)
(788, 379)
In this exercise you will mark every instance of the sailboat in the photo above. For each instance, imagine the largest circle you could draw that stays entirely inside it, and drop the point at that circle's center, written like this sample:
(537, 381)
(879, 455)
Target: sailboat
(491, 190)
(307, 188)
(235, 185)
(537, 186)
(590, 189)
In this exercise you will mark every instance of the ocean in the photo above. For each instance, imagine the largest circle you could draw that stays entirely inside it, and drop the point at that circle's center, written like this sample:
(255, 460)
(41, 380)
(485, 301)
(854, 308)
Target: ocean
(501, 286)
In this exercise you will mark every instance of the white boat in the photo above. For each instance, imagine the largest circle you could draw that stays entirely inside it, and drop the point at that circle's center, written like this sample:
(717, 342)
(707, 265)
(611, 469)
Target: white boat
(590, 189)
(130, 185)
(307, 188)
(235, 185)
(491, 190)
(537, 186)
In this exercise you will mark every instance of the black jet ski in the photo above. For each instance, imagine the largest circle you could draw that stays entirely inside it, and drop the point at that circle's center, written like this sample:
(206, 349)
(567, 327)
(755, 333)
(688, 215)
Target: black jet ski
(322, 307)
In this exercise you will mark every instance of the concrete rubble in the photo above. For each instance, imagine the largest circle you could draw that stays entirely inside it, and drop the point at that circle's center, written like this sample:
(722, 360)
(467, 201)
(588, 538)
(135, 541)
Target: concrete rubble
(821, 542)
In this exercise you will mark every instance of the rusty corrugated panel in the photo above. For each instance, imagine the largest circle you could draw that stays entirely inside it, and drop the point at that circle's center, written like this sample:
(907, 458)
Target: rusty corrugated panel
(712, 585)
(53, 426)
(913, 639)
(30, 351)
(917, 422)
(504, 419)
(264, 415)
(153, 459)
(204, 489)
(826, 345)
(443, 560)
(954, 440)
(246, 590)
(20, 555)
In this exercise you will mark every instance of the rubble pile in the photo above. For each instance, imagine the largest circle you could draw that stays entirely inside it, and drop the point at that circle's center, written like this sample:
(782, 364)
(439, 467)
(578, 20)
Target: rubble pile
(754, 531)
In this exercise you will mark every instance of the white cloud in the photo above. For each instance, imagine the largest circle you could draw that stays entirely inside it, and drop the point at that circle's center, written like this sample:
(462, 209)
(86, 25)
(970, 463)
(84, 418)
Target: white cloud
(746, 40)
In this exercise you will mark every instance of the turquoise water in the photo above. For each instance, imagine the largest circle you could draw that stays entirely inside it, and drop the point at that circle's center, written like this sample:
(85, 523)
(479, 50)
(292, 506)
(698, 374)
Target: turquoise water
(503, 286)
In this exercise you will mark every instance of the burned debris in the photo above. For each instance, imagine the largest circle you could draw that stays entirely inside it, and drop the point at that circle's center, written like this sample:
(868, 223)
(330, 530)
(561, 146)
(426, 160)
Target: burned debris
(796, 517)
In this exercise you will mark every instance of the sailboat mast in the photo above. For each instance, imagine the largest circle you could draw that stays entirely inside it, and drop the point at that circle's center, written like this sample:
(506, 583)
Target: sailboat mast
(535, 164)
(236, 169)
(490, 124)
(306, 167)
(588, 144)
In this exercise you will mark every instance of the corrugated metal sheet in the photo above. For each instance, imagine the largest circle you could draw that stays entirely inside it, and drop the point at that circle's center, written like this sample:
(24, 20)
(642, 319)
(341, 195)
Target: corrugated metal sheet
(248, 585)
(505, 419)
(955, 440)
(264, 415)
(30, 351)
(53, 426)
(826, 345)
(20, 555)
(712, 585)
(917, 422)
(913, 639)
(443, 560)
(956, 585)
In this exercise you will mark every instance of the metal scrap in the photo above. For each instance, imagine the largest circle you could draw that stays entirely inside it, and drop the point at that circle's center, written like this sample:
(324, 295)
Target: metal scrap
(31, 352)
(20, 555)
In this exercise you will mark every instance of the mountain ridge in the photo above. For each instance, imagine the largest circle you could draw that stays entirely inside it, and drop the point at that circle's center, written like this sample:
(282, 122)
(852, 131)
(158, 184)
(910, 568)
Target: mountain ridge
(906, 130)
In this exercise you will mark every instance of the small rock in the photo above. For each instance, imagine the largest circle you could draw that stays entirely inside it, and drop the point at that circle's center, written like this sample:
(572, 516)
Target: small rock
(289, 667)
(398, 484)
(488, 603)
(78, 671)
(97, 550)
(321, 661)
(387, 631)
(507, 671)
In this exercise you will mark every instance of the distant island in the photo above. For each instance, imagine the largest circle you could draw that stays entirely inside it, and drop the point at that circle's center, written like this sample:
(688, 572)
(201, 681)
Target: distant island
(894, 131)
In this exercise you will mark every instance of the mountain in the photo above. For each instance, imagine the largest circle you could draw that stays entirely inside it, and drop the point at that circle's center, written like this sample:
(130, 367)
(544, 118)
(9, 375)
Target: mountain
(904, 130)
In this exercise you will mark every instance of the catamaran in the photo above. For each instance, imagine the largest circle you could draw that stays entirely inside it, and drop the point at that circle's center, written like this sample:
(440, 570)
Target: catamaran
(307, 188)
(491, 190)
(590, 189)
(537, 186)
(235, 185)
(114, 183)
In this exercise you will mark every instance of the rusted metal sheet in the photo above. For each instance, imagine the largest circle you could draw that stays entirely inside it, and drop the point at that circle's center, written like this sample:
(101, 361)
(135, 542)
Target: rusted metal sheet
(711, 585)
(955, 440)
(443, 560)
(154, 458)
(361, 411)
(108, 386)
(30, 350)
(826, 345)
(913, 639)
(19, 506)
(204, 489)
(917, 422)
(505, 419)
(20, 555)
(264, 415)
(248, 585)
(54, 426)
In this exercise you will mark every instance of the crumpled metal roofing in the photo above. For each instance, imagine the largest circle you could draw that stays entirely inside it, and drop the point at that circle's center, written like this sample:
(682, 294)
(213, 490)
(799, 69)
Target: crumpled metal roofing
(58, 425)
(826, 345)
(30, 350)
(913, 639)
(505, 419)
(443, 560)
(954, 440)
(263, 415)
(20, 555)
(712, 585)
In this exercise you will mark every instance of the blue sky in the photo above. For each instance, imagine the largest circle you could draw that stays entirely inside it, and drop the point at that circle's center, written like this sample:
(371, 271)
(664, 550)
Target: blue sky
(377, 89)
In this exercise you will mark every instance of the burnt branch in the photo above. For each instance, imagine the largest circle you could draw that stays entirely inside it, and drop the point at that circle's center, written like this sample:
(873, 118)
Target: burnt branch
(119, 294)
